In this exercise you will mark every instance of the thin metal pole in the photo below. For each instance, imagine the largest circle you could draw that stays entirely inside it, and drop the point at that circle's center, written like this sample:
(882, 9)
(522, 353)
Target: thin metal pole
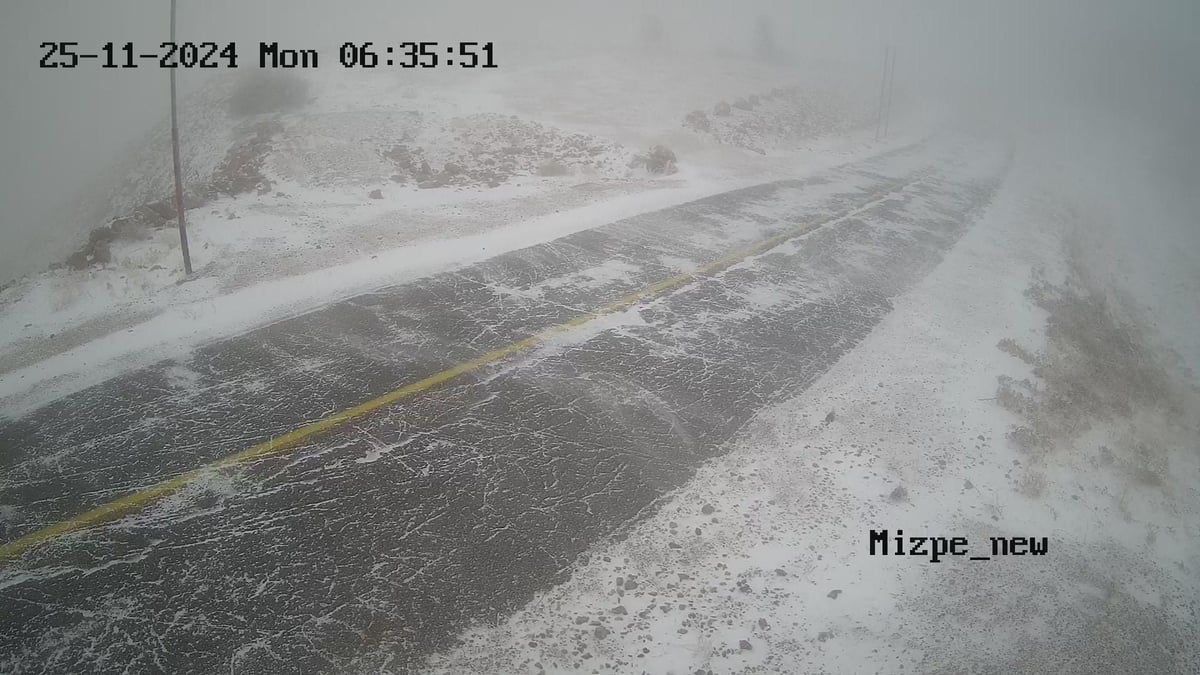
(887, 117)
(882, 90)
(183, 240)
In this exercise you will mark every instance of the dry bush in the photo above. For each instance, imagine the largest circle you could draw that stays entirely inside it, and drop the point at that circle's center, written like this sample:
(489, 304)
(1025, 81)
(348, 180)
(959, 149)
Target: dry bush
(698, 121)
(1010, 347)
(659, 160)
(1097, 368)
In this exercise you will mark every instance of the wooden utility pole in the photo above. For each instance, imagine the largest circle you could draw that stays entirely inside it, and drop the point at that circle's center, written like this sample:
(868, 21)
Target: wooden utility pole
(183, 240)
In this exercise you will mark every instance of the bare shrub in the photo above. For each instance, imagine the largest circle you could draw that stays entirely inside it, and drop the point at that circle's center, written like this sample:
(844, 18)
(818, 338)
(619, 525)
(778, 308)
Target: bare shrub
(1010, 347)
(697, 120)
(1027, 440)
(1097, 368)
(659, 159)
(1033, 483)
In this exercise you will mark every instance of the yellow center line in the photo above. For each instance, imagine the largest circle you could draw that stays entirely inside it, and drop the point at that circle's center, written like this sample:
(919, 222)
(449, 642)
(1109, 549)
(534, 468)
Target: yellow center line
(280, 444)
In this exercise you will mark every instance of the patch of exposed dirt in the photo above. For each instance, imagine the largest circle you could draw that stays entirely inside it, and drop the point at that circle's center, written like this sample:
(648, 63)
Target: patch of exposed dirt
(1098, 369)
(490, 149)
(239, 172)
(777, 118)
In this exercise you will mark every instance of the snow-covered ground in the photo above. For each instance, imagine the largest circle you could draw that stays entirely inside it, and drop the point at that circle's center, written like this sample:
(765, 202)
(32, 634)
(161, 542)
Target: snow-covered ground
(320, 232)
(763, 564)
(1040, 383)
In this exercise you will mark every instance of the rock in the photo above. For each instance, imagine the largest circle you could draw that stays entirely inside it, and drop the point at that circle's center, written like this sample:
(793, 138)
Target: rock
(78, 260)
(825, 635)
(780, 573)
(830, 417)
(101, 235)
(707, 509)
(601, 632)
(375, 194)
(125, 227)
(968, 484)
(163, 208)
(580, 620)
(834, 593)
(145, 216)
(898, 494)
(101, 254)
(619, 610)
(630, 585)
(745, 645)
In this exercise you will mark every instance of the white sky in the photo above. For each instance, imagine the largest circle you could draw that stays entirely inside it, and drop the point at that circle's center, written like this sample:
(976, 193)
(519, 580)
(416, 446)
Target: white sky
(60, 127)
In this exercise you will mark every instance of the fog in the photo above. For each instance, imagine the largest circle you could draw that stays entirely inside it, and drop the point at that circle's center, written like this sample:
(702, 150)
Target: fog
(664, 299)
(1077, 66)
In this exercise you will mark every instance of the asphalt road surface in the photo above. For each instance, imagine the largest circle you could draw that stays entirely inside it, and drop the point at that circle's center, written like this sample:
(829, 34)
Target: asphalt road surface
(367, 545)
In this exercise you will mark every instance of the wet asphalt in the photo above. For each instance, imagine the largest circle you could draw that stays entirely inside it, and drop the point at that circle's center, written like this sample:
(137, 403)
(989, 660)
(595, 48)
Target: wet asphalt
(373, 544)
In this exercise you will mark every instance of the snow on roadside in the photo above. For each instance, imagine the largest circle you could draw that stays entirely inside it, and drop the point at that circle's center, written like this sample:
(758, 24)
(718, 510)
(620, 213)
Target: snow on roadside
(761, 563)
(196, 315)
(174, 319)
(345, 179)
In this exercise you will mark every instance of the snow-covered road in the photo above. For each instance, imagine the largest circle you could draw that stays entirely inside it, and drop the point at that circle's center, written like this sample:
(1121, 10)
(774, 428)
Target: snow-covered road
(373, 543)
